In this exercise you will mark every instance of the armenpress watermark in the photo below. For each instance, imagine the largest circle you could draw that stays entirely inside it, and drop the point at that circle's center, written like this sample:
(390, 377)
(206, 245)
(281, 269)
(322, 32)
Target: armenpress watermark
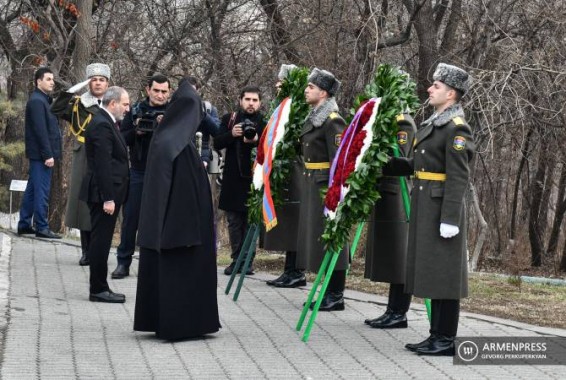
(510, 350)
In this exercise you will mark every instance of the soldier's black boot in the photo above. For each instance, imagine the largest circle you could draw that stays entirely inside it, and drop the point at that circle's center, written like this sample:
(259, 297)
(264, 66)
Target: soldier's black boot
(444, 327)
(382, 316)
(434, 323)
(396, 315)
(334, 298)
(289, 277)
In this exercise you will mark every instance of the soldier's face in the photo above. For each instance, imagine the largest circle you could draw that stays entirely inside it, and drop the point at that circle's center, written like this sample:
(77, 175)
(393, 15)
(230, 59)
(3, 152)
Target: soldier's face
(46, 83)
(158, 93)
(250, 102)
(98, 86)
(314, 95)
(439, 95)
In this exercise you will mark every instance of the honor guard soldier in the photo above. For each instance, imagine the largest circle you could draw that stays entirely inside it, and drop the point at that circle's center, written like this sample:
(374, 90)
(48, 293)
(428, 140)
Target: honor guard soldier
(320, 139)
(284, 236)
(436, 256)
(79, 111)
(386, 249)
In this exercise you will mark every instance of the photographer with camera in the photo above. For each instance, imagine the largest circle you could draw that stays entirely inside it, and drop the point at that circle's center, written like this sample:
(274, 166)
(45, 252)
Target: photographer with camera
(239, 134)
(137, 129)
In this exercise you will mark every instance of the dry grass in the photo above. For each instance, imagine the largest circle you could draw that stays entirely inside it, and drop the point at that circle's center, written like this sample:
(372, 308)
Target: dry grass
(537, 304)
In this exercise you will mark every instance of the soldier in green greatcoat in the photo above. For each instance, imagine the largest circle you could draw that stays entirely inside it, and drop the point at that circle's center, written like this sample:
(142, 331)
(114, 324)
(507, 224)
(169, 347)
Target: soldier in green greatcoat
(386, 248)
(79, 111)
(436, 256)
(283, 237)
(320, 139)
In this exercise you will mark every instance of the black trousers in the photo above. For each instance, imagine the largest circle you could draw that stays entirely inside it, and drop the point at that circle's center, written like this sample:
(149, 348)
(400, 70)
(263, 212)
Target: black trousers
(337, 282)
(290, 261)
(444, 317)
(398, 300)
(237, 228)
(101, 234)
(85, 241)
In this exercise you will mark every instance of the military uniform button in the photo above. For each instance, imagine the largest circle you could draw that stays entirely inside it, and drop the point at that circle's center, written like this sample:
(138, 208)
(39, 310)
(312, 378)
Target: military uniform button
(422, 151)
(308, 159)
(420, 187)
(422, 170)
(306, 144)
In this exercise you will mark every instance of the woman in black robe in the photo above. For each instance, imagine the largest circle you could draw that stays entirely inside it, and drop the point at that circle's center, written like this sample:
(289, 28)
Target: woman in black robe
(177, 277)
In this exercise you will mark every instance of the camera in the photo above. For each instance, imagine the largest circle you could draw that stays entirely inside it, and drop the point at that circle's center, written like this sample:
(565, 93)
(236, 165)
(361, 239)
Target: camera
(249, 129)
(148, 121)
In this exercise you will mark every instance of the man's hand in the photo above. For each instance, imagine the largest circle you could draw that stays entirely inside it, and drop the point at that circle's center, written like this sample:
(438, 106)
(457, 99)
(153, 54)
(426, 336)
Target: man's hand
(78, 86)
(50, 162)
(237, 130)
(158, 118)
(109, 207)
(205, 164)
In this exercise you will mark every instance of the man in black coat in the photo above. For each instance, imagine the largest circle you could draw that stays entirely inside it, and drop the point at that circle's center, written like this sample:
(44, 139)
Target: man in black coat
(105, 187)
(43, 146)
(237, 175)
(137, 130)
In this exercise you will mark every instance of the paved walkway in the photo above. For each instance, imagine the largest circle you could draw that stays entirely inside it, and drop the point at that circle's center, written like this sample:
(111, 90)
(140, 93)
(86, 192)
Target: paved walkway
(51, 330)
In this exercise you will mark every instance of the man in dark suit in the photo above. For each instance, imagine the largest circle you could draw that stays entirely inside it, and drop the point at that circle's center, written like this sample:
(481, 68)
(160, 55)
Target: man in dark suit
(43, 147)
(105, 187)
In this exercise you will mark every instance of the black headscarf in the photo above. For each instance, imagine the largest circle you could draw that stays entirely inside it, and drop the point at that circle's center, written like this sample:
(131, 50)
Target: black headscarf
(174, 134)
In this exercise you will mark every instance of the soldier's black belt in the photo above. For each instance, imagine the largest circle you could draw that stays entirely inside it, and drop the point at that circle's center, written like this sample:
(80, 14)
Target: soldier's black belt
(430, 176)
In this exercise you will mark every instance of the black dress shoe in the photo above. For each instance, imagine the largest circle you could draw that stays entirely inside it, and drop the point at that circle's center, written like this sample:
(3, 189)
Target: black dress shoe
(121, 271)
(332, 301)
(391, 321)
(26, 231)
(107, 296)
(293, 279)
(47, 234)
(84, 261)
(438, 345)
(278, 279)
(384, 315)
(413, 346)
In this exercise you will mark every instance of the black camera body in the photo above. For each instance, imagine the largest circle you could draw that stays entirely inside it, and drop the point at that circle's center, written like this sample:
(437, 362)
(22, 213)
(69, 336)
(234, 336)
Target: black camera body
(249, 129)
(148, 121)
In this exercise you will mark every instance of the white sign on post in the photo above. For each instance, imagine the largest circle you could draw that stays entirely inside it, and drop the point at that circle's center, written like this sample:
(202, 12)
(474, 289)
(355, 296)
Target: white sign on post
(18, 185)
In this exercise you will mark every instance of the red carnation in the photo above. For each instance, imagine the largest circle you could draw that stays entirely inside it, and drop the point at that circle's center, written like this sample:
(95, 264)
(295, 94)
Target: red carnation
(332, 197)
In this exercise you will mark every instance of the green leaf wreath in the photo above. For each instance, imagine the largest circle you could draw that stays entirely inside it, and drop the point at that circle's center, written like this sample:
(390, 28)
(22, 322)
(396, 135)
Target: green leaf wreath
(288, 148)
(397, 93)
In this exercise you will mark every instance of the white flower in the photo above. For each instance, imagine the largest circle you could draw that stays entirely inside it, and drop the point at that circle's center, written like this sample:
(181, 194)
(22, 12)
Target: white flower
(258, 176)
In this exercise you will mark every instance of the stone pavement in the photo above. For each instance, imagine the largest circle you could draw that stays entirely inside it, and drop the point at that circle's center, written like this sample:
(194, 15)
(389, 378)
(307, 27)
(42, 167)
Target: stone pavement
(50, 330)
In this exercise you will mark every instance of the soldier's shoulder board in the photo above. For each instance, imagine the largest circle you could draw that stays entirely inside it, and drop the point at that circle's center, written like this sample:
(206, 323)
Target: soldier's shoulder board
(400, 117)
(458, 121)
(334, 115)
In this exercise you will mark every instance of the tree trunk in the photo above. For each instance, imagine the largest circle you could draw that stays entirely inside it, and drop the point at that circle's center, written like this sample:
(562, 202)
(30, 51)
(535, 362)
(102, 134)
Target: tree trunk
(279, 31)
(536, 194)
(558, 215)
(427, 50)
